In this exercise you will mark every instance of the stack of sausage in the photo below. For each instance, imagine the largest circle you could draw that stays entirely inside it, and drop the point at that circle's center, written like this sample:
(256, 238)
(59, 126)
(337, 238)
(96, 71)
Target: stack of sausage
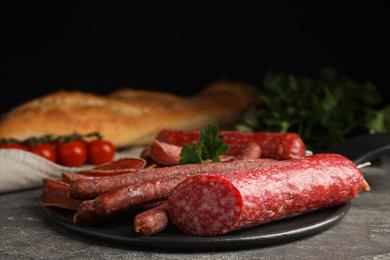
(263, 177)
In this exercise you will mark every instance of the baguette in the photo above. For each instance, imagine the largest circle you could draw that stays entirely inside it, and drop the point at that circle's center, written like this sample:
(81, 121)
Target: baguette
(127, 117)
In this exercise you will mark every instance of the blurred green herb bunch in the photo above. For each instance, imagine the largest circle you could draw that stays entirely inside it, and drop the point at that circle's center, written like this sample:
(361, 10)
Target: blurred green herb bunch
(323, 111)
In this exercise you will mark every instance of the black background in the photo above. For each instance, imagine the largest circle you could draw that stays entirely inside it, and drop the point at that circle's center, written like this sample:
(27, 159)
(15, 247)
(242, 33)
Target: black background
(182, 46)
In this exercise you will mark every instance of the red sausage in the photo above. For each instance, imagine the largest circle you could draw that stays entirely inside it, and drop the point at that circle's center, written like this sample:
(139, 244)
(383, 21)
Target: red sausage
(54, 193)
(152, 221)
(164, 153)
(121, 201)
(124, 200)
(117, 167)
(91, 188)
(279, 146)
(87, 217)
(179, 137)
(69, 177)
(105, 173)
(250, 151)
(210, 205)
(123, 163)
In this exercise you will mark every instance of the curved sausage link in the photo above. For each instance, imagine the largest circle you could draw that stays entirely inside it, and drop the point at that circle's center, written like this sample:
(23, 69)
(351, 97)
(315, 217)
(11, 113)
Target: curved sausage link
(152, 221)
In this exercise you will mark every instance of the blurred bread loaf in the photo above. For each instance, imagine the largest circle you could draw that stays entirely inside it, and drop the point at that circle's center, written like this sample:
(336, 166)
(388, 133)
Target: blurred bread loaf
(127, 117)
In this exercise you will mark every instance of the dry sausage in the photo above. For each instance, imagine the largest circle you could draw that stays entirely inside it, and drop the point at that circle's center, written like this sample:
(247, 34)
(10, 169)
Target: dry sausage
(210, 205)
(87, 217)
(152, 221)
(91, 188)
(123, 163)
(250, 151)
(54, 193)
(165, 154)
(279, 146)
(127, 199)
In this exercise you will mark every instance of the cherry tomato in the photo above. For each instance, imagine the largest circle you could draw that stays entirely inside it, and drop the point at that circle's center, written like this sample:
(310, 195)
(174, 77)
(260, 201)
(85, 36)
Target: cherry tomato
(11, 146)
(100, 151)
(73, 154)
(45, 151)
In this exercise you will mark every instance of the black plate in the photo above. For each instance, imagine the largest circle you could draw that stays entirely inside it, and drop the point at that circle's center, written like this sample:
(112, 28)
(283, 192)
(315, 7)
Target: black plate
(360, 149)
(122, 232)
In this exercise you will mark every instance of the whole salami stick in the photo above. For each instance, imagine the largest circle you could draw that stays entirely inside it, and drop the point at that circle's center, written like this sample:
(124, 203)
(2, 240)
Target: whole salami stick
(251, 151)
(279, 146)
(214, 204)
(91, 188)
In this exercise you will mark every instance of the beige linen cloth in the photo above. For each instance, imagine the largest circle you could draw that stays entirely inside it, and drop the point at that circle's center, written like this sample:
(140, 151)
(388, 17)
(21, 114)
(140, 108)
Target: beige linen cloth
(20, 170)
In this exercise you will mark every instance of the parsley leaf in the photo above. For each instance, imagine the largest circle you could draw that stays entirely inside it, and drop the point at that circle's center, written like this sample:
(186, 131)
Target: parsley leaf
(189, 154)
(210, 146)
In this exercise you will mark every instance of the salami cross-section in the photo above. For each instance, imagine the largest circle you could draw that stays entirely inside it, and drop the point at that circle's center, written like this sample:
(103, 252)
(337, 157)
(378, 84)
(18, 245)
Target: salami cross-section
(217, 203)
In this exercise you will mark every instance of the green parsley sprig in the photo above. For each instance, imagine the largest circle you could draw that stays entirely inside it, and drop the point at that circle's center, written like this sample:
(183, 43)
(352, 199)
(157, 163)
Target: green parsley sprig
(324, 111)
(210, 146)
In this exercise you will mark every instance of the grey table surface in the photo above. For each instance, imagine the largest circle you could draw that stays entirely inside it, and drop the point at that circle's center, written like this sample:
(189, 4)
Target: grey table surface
(26, 232)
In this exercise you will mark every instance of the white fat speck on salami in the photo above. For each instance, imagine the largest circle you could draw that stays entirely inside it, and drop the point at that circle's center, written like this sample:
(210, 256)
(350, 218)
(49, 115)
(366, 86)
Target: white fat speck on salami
(221, 202)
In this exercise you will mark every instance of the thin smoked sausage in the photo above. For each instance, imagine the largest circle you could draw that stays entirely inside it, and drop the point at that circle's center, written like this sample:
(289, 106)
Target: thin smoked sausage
(91, 188)
(152, 221)
(214, 204)
(117, 202)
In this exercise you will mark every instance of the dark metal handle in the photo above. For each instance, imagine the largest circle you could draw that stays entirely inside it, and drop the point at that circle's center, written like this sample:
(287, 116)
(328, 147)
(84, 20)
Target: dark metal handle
(364, 148)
